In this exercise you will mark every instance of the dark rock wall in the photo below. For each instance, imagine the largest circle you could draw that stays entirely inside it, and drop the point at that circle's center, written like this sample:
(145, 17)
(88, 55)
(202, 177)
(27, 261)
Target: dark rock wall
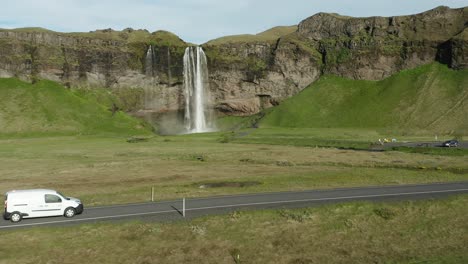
(375, 48)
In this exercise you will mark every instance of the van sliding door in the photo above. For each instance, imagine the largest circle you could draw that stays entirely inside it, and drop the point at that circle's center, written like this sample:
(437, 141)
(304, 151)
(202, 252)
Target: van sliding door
(51, 205)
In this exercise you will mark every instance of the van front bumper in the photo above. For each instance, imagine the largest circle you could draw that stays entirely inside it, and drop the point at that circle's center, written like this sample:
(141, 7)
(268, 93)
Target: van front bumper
(79, 209)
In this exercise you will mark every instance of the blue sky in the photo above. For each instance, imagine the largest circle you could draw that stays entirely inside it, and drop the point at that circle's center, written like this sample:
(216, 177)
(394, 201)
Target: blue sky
(195, 21)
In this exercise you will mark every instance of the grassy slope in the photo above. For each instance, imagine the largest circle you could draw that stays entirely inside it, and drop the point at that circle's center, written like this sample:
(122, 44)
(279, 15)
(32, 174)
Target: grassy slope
(429, 98)
(30, 29)
(49, 108)
(160, 37)
(269, 35)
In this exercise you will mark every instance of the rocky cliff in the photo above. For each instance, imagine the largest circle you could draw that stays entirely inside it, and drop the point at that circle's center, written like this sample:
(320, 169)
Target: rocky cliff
(248, 72)
(150, 64)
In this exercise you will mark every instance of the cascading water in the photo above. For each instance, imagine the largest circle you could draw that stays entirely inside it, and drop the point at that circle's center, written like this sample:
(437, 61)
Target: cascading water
(197, 116)
(149, 62)
(149, 91)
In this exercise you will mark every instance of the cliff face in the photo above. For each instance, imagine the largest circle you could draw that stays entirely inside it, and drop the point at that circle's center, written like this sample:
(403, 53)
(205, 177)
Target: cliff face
(103, 58)
(374, 48)
(248, 72)
(260, 71)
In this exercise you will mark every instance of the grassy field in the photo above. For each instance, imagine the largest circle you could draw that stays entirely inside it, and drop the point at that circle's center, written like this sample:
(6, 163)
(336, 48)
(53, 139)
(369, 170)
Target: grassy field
(430, 99)
(109, 170)
(432, 231)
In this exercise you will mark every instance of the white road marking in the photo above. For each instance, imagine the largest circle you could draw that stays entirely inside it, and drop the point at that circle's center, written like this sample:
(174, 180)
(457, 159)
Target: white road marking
(232, 205)
(131, 204)
(388, 187)
(87, 219)
(324, 199)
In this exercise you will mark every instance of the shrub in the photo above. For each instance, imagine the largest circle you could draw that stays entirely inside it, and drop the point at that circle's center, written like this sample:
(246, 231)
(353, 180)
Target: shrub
(385, 213)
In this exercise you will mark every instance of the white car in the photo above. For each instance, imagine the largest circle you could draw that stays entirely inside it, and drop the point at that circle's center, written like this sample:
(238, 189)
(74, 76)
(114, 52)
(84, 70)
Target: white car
(21, 204)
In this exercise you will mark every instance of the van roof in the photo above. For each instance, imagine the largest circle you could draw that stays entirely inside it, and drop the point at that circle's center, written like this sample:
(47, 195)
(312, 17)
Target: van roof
(30, 191)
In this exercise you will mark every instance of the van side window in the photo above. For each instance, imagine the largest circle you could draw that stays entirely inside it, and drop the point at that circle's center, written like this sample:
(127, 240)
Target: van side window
(50, 198)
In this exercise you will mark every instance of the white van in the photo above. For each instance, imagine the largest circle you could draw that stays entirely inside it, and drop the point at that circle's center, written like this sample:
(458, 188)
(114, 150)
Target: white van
(21, 204)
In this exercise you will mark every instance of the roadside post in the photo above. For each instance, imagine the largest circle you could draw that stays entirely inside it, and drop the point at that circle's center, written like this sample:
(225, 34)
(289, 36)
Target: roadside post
(183, 207)
(152, 194)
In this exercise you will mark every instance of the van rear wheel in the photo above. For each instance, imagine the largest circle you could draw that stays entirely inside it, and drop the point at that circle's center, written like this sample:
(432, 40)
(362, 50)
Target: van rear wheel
(15, 217)
(69, 212)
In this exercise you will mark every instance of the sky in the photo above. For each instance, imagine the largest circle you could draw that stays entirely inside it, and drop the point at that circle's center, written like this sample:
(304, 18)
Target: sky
(195, 21)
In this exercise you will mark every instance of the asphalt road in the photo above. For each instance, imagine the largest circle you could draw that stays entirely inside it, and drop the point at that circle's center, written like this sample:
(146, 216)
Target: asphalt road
(432, 144)
(172, 210)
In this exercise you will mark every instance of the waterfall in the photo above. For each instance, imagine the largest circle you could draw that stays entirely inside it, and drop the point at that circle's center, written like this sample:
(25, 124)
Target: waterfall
(196, 91)
(149, 93)
(149, 62)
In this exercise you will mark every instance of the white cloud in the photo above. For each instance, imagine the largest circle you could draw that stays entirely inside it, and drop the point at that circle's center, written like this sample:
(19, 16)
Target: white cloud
(194, 20)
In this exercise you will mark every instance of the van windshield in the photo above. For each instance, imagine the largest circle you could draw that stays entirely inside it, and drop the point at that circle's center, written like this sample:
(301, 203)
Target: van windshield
(61, 194)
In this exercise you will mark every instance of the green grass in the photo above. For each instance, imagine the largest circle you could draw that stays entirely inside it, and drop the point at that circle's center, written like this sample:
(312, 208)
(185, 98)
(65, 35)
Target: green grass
(432, 231)
(233, 123)
(270, 35)
(427, 100)
(309, 137)
(29, 29)
(109, 170)
(159, 38)
(166, 38)
(47, 108)
(433, 151)
(341, 138)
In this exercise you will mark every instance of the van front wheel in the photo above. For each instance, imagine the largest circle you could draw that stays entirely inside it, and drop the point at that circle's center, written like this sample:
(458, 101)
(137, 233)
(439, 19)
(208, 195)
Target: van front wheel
(69, 212)
(15, 217)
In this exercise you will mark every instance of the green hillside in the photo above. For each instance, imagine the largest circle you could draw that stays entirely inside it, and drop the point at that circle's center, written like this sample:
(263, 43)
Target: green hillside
(269, 35)
(50, 109)
(431, 98)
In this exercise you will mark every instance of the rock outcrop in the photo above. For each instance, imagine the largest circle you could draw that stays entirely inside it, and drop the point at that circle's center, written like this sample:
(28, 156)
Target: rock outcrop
(374, 48)
(248, 72)
(359, 48)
